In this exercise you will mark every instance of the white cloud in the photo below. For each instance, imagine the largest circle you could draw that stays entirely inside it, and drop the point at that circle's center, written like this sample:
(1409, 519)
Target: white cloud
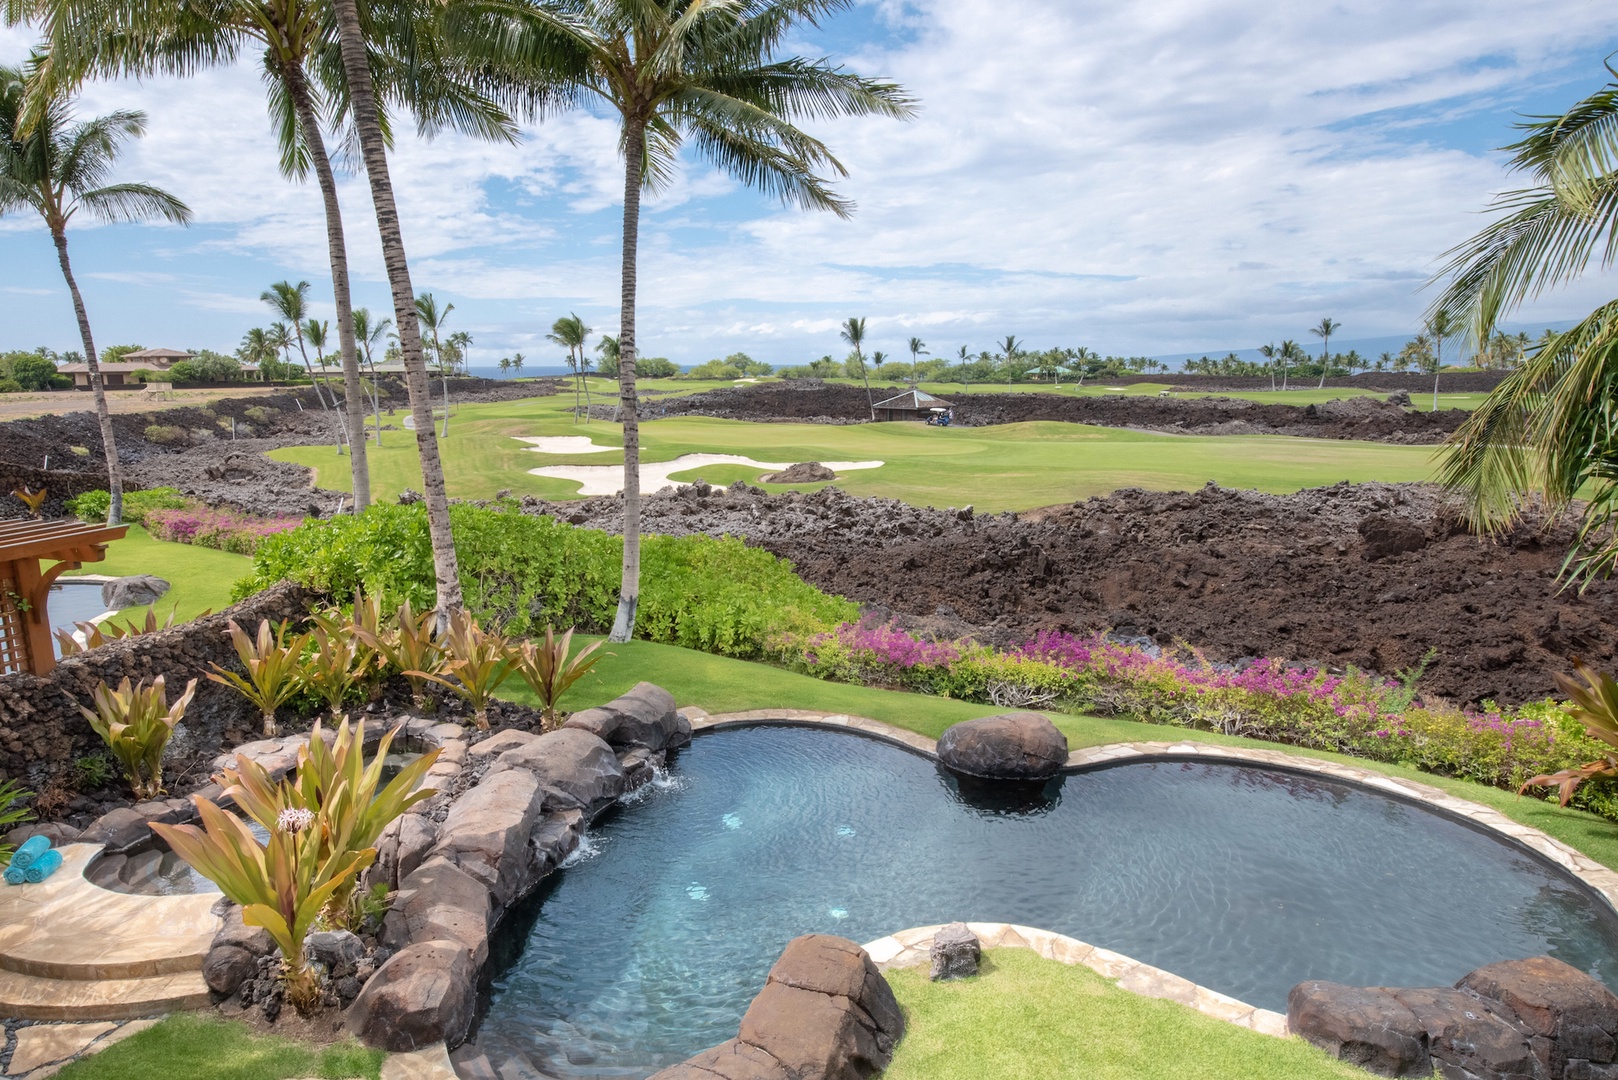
(1145, 176)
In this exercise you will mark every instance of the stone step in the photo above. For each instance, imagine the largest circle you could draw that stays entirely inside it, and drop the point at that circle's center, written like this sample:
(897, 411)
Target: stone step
(28, 997)
(67, 928)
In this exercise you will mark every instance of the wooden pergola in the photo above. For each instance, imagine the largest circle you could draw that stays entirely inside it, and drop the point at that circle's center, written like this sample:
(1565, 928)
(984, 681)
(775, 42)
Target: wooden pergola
(25, 623)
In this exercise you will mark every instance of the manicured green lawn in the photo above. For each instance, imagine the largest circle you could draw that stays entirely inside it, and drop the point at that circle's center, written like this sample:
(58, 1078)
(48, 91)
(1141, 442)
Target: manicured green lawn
(1008, 467)
(1024, 1017)
(188, 1046)
(200, 578)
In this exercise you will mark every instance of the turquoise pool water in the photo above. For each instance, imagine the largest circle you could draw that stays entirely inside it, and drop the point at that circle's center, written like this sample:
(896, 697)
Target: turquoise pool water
(1245, 880)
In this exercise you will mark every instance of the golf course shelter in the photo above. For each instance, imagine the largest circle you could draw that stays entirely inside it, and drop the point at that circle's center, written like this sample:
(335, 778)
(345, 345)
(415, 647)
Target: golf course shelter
(910, 405)
(25, 623)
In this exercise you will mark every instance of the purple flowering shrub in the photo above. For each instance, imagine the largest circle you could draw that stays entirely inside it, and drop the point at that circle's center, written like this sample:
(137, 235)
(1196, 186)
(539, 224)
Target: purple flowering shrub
(1351, 712)
(225, 530)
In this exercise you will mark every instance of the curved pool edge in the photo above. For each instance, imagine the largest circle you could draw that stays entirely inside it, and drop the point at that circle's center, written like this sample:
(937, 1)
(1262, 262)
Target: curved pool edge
(1587, 871)
(912, 948)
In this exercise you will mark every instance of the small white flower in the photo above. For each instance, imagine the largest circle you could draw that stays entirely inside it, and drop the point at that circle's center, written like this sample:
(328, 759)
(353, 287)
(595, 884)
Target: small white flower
(294, 819)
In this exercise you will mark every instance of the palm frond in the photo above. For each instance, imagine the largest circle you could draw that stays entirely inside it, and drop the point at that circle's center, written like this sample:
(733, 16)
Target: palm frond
(134, 202)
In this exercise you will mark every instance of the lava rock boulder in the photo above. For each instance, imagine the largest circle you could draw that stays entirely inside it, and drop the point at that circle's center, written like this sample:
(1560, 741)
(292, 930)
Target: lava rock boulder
(135, 591)
(1010, 746)
(645, 717)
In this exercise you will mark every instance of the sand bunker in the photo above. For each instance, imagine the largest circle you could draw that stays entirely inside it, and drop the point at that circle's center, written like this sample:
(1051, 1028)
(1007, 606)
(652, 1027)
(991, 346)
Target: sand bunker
(609, 479)
(563, 444)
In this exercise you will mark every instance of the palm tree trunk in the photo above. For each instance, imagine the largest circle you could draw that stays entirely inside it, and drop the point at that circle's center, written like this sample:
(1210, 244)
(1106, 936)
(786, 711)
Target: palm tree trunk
(109, 446)
(1325, 361)
(623, 627)
(584, 378)
(865, 377)
(369, 128)
(376, 390)
(443, 381)
(353, 398)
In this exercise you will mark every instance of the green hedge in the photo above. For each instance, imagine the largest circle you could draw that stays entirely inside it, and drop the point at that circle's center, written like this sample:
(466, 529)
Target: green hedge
(519, 572)
(91, 506)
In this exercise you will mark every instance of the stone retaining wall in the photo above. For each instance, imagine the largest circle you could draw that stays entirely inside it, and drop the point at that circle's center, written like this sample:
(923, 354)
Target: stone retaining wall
(41, 730)
(525, 812)
(61, 484)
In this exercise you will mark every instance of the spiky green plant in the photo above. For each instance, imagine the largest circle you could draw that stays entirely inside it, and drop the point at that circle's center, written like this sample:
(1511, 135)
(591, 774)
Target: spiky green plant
(99, 634)
(549, 670)
(335, 662)
(408, 647)
(477, 662)
(136, 721)
(271, 662)
(12, 793)
(341, 786)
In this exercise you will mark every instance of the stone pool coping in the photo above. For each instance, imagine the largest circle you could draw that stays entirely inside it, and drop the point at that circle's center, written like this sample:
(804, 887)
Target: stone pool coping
(913, 948)
(1587, 871)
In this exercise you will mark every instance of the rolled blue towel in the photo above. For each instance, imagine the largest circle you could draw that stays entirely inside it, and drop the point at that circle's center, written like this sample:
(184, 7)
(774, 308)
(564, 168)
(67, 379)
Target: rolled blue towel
(30, 851)
(44, 866)
(15, 875)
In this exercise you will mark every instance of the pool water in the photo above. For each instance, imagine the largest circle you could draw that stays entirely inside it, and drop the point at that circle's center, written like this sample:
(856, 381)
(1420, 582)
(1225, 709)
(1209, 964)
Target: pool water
(72, 603)
(1244, 880)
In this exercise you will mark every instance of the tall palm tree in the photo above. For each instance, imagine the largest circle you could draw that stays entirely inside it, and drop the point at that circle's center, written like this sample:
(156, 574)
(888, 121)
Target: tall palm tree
(316, 330)
(517, 359)
(279, 335)
(963, 354)
(1271, 355)
(370, 332)
(257, 348)
(853, 332)
(58, 169)
(570, 332)
(672, 70)
(459, 345)
(1010, 348)
(1324, 332)
(878, 359)
(1290, 351)
(291, 302)
(306, 84)
(433, 318)
(1549, 428)
(1439, 324)
(608, 348)
(918, 349)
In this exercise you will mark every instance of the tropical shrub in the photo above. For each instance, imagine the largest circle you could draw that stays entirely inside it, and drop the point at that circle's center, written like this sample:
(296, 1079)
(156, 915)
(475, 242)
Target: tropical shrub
(476, 663)
(335, 662)
(270, 664)
(166, 434)
(520, 572)
(135, 722)
(98, 634)
(408, 647)
(260, 414)
(91, 506)
(224, 530)
(323, 826)
(550, 671)
(1351, 713)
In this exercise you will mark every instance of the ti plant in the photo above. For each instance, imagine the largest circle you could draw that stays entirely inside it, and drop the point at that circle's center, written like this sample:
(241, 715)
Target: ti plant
(476, 664)
(272, 669)
(34, 500)
(282, 885)
(549, 671)
(341, 787)
(323, 826)
(409, 647)
(1593, 700)
(135, 722)
(366, 627)
(99, 634)
(336, 662)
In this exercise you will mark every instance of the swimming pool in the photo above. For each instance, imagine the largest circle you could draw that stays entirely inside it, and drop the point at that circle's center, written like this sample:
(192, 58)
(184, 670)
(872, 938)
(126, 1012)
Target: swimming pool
(1242, 879)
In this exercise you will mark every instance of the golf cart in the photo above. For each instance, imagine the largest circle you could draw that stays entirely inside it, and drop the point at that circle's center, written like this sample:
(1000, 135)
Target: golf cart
(938, 418)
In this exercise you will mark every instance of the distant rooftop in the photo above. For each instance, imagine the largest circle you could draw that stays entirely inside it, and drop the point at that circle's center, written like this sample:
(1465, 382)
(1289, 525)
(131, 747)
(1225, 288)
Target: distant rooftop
(914, 399)
(160, 356)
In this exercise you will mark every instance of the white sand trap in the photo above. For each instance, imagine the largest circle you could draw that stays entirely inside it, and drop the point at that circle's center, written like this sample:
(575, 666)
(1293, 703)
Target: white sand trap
(563, 444)
(609, 479)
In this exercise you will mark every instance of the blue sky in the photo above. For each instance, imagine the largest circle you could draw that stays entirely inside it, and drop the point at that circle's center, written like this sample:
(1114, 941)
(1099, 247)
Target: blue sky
(1181, 176)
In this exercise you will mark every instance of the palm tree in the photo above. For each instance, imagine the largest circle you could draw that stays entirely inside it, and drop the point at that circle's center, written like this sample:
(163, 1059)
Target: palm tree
(677, 69)
(1290, 351)
(1324, 332)
(58, 168)
(315, 330)
(608, 348)
(1271, 354)
(963, 354)
(433, 318)
(257, 348)
(1082, 358)
(853, 332)
(291, 302)
(1548, 428)
(459, 345)
(516, 363)
(878, 358)
(570, 332)
(505, 364)
(918, 348)
(1438, 325)
(1010, 348)
(368, 334)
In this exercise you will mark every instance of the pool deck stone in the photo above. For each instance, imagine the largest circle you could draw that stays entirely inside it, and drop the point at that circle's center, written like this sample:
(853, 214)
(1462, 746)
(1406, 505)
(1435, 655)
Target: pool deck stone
(1599, 878)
